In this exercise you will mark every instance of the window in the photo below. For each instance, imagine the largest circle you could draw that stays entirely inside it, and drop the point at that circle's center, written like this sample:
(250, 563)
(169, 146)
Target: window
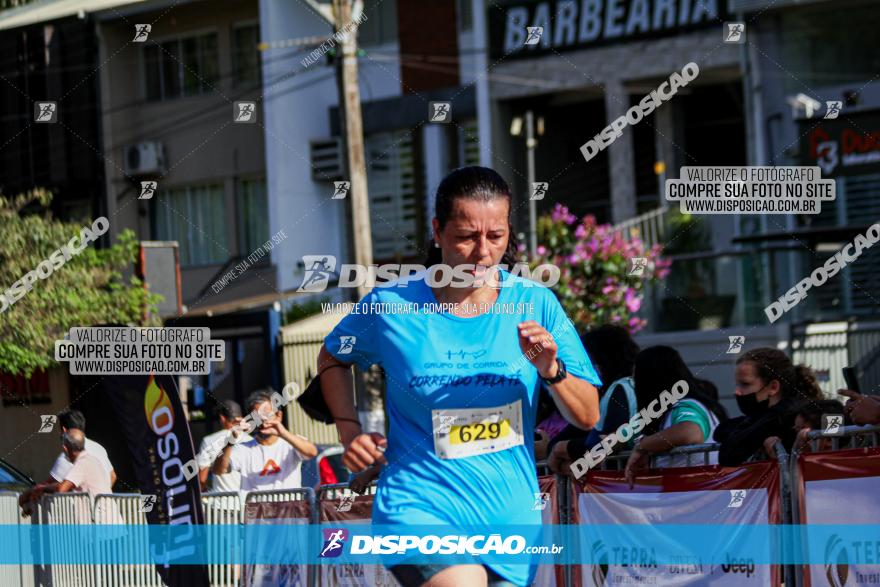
(195, 217)
(181, 67)
(394, 189)
(245, 56)
(18, 391)
(380, 25)
(254, 214)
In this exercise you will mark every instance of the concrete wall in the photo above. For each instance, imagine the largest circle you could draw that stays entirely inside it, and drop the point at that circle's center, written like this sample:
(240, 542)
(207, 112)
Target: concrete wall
(20, 444)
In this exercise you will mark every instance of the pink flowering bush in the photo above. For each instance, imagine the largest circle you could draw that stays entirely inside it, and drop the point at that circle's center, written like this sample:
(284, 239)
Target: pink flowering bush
(595, 286)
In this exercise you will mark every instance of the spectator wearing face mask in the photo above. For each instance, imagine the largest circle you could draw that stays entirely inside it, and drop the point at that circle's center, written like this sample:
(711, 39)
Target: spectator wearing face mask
(770, 390)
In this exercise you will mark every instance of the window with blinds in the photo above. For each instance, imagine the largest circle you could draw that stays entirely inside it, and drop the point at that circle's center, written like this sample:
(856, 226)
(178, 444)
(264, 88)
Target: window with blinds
(195, 217)
(253, 216)
(391, 180)
(856, 290)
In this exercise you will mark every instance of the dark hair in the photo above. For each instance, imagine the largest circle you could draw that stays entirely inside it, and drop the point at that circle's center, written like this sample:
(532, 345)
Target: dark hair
(257, 397)
(228, 408)
(812, 411)
(612, 350)
(657, 369)
(71, 418)
(708, 388)
(471, 183)
(796, 381)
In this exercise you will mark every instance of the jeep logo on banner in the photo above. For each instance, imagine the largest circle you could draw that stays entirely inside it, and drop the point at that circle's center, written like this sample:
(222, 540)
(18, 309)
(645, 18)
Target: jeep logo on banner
(579, 24)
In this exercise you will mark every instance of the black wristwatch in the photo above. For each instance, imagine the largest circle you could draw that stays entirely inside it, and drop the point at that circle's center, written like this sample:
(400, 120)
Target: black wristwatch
(560, 375)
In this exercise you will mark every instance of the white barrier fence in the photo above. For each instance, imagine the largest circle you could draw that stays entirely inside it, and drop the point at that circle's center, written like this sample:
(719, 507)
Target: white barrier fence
(10, 514)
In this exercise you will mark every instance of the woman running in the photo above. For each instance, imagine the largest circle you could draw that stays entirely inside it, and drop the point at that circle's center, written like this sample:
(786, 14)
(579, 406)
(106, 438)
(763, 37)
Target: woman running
(462, 386)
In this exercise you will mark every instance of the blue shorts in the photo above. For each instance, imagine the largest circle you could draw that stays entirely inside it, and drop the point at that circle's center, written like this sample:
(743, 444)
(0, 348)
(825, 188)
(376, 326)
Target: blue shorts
(416, 575)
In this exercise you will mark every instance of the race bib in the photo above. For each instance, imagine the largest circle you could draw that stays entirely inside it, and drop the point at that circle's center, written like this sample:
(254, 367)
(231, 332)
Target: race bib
(476, 431)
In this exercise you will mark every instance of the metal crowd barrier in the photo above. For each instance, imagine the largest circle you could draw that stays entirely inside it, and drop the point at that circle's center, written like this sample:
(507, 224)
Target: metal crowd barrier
(855, 437)
(126, 509)
(223, 508)
(14, 575)
(228, 508)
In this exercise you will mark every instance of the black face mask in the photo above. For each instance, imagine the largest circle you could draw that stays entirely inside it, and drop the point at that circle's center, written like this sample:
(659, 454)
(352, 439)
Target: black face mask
(749, 404)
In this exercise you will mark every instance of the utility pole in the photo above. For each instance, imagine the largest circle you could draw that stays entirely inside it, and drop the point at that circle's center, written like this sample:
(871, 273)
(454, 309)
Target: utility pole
(353, 132)
(367, 396)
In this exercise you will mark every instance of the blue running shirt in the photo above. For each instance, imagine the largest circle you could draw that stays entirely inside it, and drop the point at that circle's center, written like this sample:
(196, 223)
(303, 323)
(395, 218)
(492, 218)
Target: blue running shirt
(456, 366)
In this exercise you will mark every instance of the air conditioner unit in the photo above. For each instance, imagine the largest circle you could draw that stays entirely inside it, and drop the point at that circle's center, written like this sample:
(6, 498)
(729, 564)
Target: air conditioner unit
(327, 161)
(146, 158)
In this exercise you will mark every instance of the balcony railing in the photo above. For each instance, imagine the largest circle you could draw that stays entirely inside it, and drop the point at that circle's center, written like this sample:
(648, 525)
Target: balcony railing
(650, 227)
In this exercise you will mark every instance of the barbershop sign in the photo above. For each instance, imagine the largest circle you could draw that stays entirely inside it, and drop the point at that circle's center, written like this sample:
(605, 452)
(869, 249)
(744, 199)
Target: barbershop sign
(578, 24)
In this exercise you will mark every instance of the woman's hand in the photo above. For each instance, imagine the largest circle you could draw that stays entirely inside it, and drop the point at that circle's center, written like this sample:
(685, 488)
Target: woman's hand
(770, 445)
(637, 460)
(538, 347)
(363, 451)
(559, 461)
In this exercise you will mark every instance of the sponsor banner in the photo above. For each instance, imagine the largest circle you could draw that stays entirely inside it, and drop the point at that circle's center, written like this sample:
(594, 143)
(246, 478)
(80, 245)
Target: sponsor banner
(825, 481)
(356, 510)
(294, 513)
(157, 433)
(549, 575)
(845, 146)
(645, 522)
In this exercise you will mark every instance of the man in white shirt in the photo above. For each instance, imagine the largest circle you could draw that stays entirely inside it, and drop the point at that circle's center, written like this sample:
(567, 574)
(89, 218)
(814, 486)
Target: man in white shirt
(229, 414)
(87, 473)
(69, 420)
(74, 420)
(272, 458)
